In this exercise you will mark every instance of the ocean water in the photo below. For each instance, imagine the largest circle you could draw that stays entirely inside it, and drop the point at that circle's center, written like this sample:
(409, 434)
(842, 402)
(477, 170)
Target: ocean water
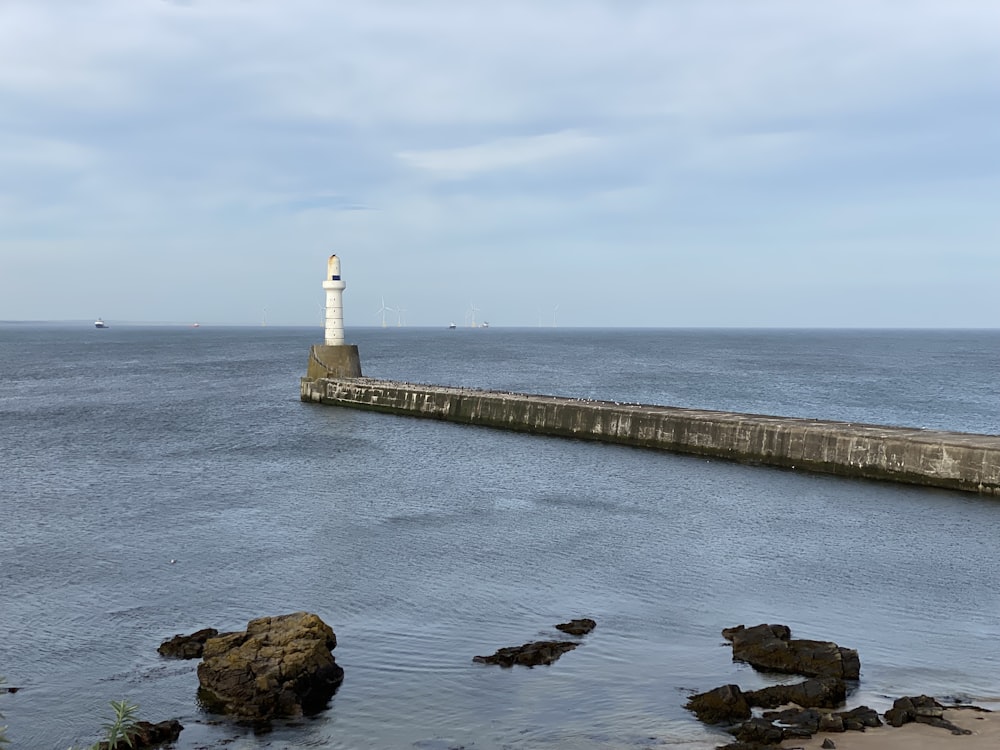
(423, 544)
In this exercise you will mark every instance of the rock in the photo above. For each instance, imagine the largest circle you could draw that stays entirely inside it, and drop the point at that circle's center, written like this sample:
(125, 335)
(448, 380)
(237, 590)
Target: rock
(279, 667)
(783, 632)
(577, 627)
(758, 732)
(187, 646)
(146, 735)
(724, 705)
(901, 712)
(821, 692)
(829, 744)
(831, 722)
(922, 709)
(747, 746)
(528, 655)
(771, 648)
(800, 723)
(858, 718)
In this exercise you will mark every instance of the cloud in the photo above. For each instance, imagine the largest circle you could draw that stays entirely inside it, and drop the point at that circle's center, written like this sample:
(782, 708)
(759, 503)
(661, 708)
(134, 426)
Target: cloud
(31, 153)
(501, 154)
(657, 132)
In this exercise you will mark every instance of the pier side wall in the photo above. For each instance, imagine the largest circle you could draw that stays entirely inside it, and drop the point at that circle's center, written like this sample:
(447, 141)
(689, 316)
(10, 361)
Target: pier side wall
(932, 458)
(333, 361)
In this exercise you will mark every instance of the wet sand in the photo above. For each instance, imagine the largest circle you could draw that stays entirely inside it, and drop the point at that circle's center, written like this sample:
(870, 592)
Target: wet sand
(985, 727)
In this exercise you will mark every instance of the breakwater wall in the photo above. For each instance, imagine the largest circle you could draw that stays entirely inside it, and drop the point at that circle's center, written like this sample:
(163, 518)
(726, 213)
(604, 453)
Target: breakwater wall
(951, 460)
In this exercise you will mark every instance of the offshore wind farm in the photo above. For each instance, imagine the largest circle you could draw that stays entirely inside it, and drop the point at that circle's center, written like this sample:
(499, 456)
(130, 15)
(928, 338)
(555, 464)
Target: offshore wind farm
(951, 460)
(424, 542)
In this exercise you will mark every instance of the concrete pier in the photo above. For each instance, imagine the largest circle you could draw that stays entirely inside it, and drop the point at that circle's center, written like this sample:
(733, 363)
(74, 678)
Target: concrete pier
(342, 361)
(931, 458)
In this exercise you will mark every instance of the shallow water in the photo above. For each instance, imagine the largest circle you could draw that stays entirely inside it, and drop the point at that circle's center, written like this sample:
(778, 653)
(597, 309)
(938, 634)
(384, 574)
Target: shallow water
(423, 543)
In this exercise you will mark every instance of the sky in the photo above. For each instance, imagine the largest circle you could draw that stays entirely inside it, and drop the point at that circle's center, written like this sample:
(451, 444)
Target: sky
(671, 163)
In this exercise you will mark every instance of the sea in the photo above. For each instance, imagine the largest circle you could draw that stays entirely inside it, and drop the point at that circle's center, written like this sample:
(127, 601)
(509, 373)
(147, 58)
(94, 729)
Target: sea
(156, 480)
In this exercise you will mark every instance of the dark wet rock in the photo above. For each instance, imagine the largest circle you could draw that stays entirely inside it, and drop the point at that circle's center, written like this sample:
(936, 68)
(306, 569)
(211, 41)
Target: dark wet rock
(724, 705)
(800, 723)
(902, 712)
(279, 667)
(581, 626)
(146, 735)
(758, 732)
(832, 722)
(534, 654)
(748, 746)
(771, 648)
(857, 719)
(829, 744)
(187, 646)
(922, 709)
(816, 692)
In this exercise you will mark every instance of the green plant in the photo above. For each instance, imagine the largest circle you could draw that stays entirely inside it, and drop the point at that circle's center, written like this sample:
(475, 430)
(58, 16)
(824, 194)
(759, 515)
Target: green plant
(119, 728)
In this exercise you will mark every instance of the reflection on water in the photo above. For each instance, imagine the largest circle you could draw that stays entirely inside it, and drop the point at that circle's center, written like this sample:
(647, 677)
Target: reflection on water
(424, 543)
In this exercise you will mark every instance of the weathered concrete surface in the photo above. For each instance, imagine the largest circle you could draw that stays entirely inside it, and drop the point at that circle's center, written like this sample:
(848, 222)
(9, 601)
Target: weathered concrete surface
(326, 361)
(951, 460)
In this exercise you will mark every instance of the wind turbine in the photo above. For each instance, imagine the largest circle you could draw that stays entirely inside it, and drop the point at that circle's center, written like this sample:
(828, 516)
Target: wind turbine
(554, 311)
(383, 310)
(399, 316)
(471, 315)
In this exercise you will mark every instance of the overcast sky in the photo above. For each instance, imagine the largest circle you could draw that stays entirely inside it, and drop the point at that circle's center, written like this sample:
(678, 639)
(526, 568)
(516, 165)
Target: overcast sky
(578, 162)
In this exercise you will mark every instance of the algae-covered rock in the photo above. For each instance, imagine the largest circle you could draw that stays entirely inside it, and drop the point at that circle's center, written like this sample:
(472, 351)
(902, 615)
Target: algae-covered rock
(279, 667)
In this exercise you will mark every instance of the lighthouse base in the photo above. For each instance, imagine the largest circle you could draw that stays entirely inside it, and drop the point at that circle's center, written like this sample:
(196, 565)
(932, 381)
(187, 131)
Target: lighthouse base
(325, 361)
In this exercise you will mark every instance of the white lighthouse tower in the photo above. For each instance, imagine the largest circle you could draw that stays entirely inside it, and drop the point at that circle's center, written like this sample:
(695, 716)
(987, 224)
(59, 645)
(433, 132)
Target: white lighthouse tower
(333, 358)
(334, 287)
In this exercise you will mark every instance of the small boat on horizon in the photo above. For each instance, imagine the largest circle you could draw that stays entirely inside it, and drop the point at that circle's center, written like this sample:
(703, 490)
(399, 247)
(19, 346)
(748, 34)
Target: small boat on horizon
(451, 326)
(99, 323)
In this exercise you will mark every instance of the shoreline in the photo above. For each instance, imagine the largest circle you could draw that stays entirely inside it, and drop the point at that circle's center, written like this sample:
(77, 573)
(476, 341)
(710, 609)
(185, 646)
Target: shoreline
(983, 724)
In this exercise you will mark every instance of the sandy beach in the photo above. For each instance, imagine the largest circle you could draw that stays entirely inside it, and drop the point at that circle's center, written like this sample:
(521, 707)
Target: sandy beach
(984, 725)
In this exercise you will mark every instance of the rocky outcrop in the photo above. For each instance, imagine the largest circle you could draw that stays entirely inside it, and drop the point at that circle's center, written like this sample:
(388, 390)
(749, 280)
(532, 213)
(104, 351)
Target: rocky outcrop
(146, 735)
(538, 653)
(758, 733)
(857, 719)
(729, 705)
(724, 705)
(816, 692)
(805, 722)
(922, 709)
(770, 648)
(768, 731)
(279, 667)
(187, 646)
(581, 626)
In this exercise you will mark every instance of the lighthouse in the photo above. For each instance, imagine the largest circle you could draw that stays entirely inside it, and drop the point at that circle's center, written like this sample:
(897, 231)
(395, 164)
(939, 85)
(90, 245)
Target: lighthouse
(333, 358)
(334, 286)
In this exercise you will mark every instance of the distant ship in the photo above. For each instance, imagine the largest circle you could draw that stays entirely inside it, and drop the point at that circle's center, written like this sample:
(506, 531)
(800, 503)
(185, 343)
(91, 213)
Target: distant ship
(452, 325)
(100, 324)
